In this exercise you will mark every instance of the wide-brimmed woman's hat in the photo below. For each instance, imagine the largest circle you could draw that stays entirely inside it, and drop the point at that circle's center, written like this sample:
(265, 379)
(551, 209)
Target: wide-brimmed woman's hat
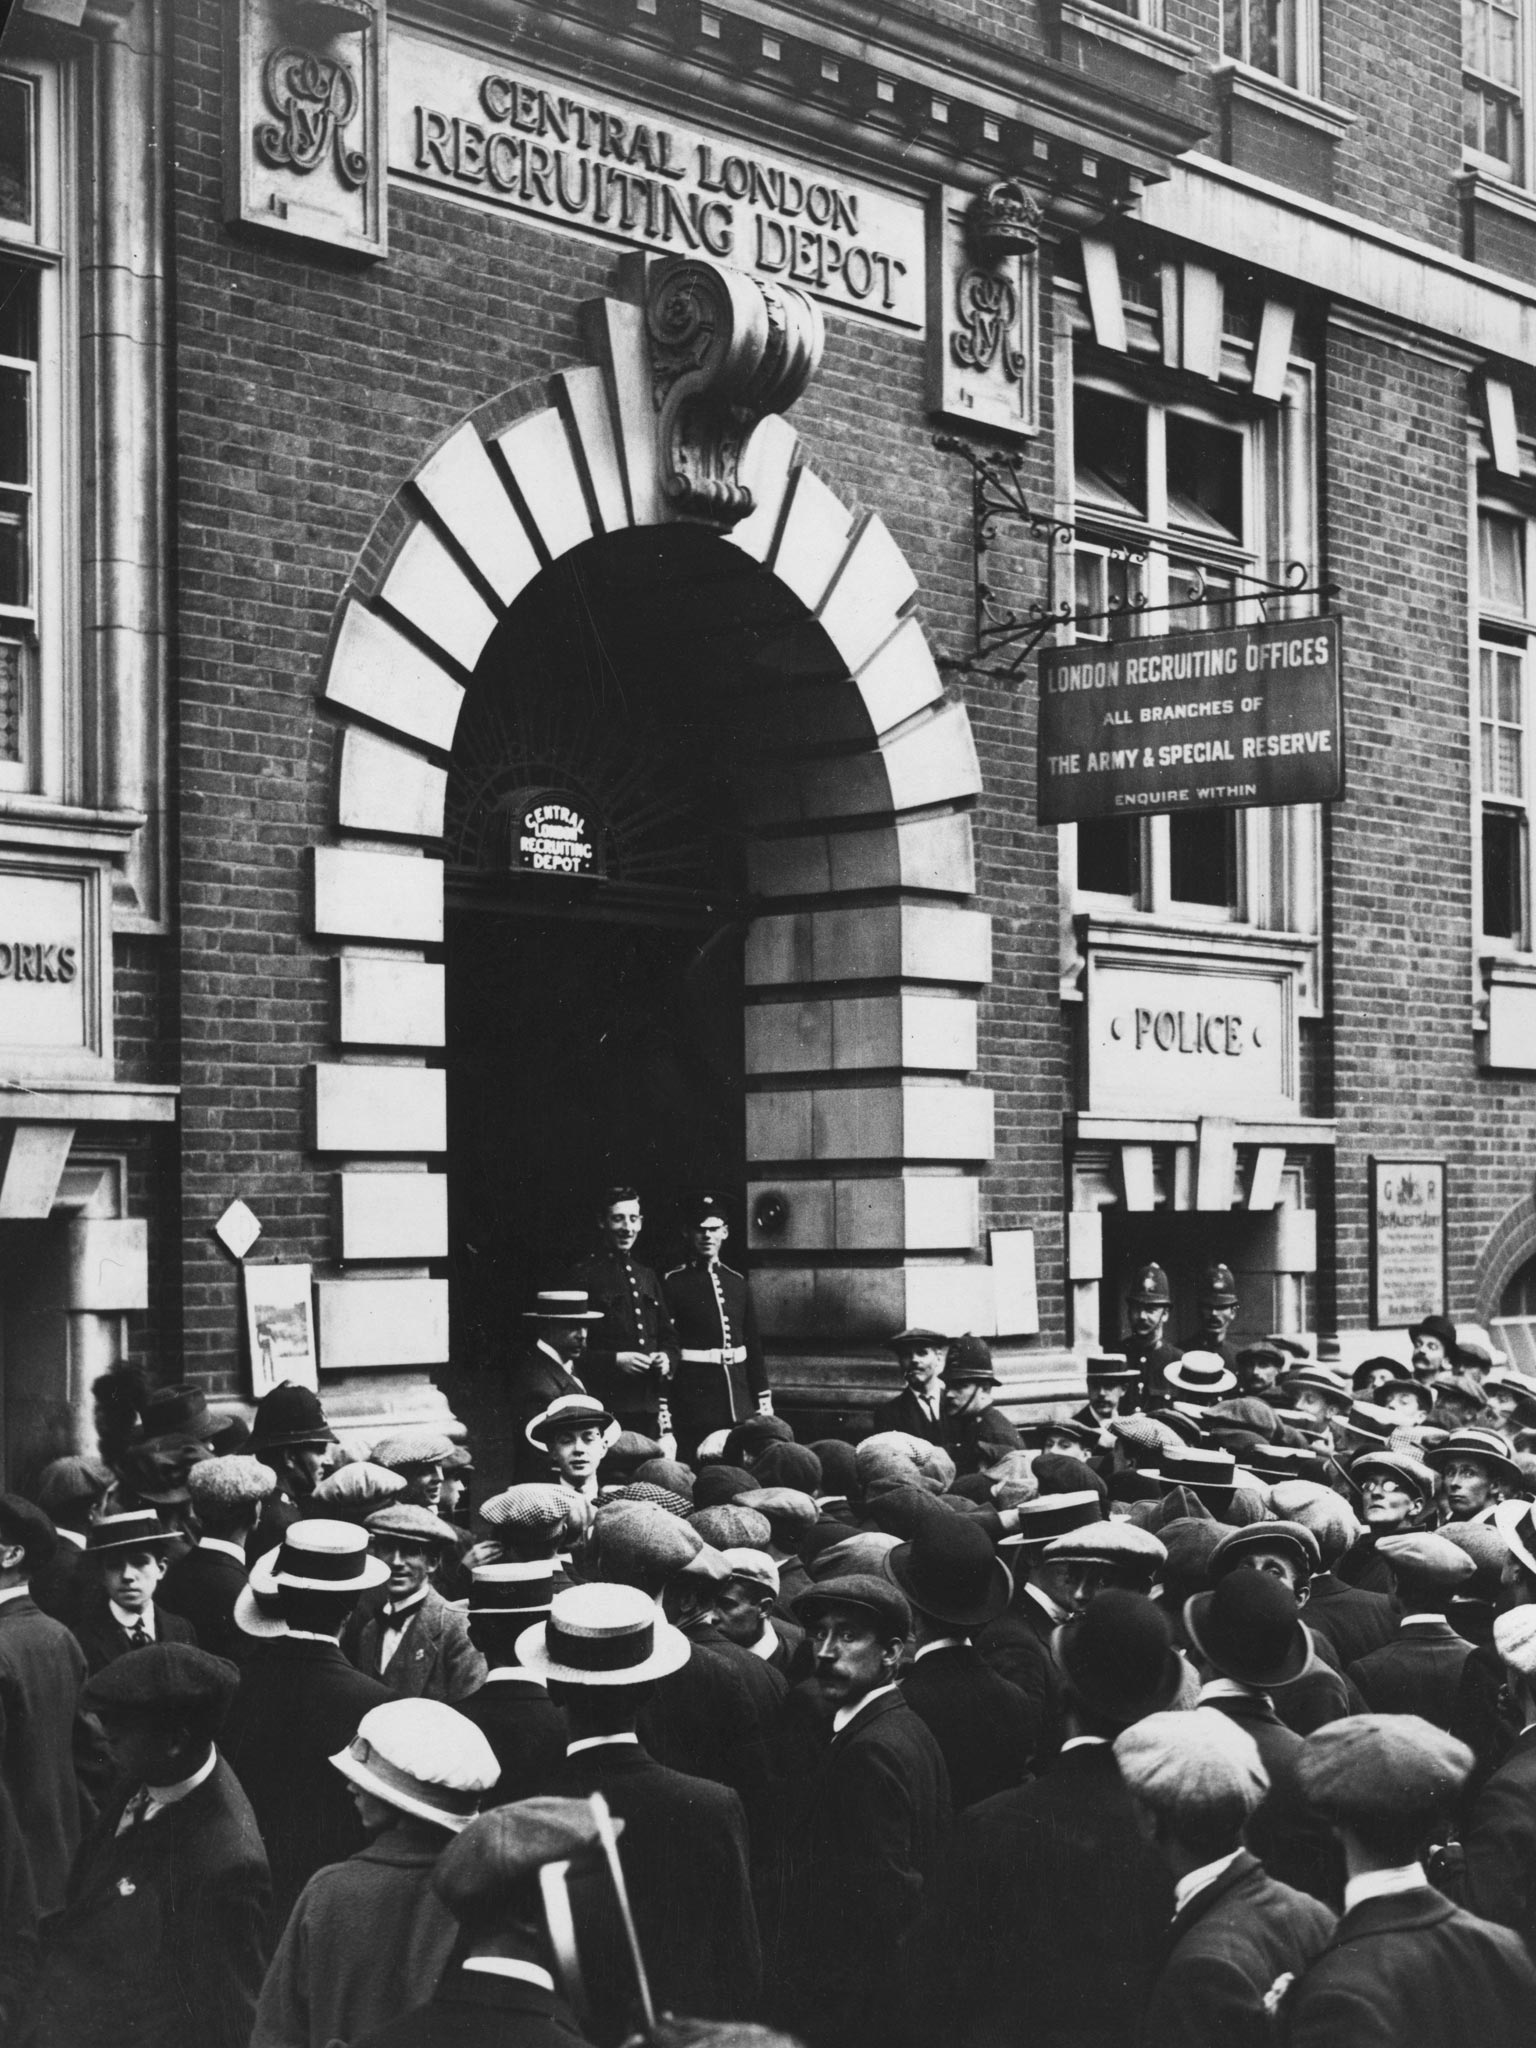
(603, 1635)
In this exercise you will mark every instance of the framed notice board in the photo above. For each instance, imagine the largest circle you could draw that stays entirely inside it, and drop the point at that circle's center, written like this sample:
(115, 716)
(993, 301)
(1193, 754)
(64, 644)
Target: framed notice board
(1408, 1268)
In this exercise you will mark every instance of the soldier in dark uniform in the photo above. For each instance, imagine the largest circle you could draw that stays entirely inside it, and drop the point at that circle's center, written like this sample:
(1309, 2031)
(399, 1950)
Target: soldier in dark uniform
(630, 1359)
(1217, 1305)
(1145, 1345)
(721, 1376)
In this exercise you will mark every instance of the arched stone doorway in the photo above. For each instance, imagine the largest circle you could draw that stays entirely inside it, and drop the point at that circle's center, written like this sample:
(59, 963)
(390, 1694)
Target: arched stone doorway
(851, 779)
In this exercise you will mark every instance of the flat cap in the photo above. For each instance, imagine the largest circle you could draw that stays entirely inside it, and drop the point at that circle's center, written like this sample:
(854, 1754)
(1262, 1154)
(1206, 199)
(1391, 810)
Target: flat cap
(1238, 1545)
(538, 1510)
(66, 1483)
(411, 1447)
(858, 1552)
(745, 1561)
(419, 1525)
(879, 1598)
(1412, 1474)
(633, 1544)
(644, 1494)
(230, 1483)
(1514, 1637)
(1057, 1472)
(789, 1512)
(631, 1448)
(1376, 1767)
(1487, 1546)
(22, 1522)
(732, 1527)
(1120, 1544)
(666, 1473)
(162, 1682)
(749, 1437)
(1144, 1433)
(795, 1466)
(839, 1465)
(1190, 1542)
(356, 1491)
(1192, 1765)
(717, 1484)
(489, 1863)
(1426, 1559)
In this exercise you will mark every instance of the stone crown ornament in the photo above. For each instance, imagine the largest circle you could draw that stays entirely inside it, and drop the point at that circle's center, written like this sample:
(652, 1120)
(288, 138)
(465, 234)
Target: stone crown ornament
(1003, 220)
(726, 350)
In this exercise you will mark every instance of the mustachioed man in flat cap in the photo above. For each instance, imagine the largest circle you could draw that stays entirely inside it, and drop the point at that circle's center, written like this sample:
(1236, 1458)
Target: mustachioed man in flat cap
(601, 1653)
(918, 1410)
(1198, 1779)
(161, 1940)
(1404, 1964)
(404, 1633)
(204, 1583)
(369, 1938)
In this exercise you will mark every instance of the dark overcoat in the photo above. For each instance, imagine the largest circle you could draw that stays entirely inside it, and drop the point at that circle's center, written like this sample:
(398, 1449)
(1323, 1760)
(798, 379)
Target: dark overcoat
(1296, 1848)
(1226, 1951)
(202, 1587)
(1353, 1620)
(1017, 1646)
(1418, 1672)
(534, 1379)
(981, 1723)
(635, 1318)
(104, 1639)
(42, 1668)
(526, 1731)
(472, 2011)
(1500, 1844)
(906, 1413)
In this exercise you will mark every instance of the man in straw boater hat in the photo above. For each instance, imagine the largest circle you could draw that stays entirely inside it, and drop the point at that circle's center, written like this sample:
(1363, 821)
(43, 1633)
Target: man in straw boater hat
(722, 1376)
(1476, 1471)
(1113, 1387)
(291, 1436)
(513, 1709)
(1198, 1778)
(956, 1583)
(369, 1938)
(546, 1368)
(162, 1937)
(867, 1837)
(300, 1700)
(1404, 1964)
(128, 1555)
(1052, 1900)
(918, 1410)
(574, 1434)
(1016, 1644)
(684, 1845)
(403, 1632)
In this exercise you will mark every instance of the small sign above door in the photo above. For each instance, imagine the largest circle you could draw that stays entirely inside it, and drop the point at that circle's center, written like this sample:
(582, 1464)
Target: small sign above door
(553, 834)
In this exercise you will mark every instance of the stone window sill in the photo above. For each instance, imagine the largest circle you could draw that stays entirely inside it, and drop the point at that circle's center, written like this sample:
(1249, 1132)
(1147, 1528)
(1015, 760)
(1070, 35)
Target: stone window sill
(1488, 190)
(1111, 26)
(1241, 81)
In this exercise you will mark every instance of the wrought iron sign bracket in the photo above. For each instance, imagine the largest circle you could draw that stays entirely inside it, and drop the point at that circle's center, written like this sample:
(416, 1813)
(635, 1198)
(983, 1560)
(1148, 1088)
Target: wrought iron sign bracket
(1005, 638)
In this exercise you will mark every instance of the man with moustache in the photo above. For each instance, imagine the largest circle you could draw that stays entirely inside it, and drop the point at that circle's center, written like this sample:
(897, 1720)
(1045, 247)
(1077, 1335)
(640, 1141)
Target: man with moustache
(918, 1410)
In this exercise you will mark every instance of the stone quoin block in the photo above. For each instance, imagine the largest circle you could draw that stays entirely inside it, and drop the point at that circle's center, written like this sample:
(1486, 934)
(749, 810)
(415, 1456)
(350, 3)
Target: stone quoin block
(614, 332)
(912, 1031)
(914, 853)
(811, 540)
(538, 456)
(581, 397)
(919, 1123)
(390, 1002)
(393, 1215)
(107, 1264)
(382, 1323)
(916, 1213)
(378, 673)
(766, 469)
(379, 1109)
(378, 895)
(34, 1157)
(388, 788)
(460, 483)
(864, 1304)
(872, 587)
(426, 586)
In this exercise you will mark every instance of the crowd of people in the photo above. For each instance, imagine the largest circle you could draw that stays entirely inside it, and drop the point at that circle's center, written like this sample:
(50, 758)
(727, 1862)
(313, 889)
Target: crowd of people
(1205, 1716)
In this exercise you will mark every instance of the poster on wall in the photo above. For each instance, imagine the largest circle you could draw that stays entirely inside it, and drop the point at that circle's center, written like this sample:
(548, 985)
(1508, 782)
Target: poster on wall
(280, 1327)
(1407, 1241)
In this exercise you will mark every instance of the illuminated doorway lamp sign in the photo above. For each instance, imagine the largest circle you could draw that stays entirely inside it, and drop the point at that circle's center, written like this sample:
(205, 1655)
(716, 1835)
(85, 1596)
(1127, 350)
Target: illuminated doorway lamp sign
(550, 834)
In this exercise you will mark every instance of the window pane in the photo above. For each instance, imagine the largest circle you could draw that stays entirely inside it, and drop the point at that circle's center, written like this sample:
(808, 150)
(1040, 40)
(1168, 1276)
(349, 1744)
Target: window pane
(1232, 29)
(1509, 666)
(1110, 438)
(15, 553)
(1205, 477)
(18, 312)
(15, 150)
(1202, 858)
(15, 426)
(1503, 865)
(1501, 554)
(1109, 856)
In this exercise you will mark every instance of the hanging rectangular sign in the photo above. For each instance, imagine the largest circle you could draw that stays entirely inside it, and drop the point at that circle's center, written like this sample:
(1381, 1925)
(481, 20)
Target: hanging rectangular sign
(1191, 722)
(1408, 1241)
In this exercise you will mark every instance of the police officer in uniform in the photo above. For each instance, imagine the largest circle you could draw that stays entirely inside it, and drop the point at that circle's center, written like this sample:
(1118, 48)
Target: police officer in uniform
(1145, 1345)
(1217, 1304)
(721, 1377)
(633, 1354)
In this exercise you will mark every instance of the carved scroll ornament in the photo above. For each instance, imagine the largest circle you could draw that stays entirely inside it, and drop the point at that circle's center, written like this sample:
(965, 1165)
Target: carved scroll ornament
(726, 350)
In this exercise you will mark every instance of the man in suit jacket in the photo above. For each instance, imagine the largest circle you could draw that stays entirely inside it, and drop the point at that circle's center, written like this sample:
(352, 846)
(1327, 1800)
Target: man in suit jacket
(874, 1823)
(1235, 1930)
(1500, 1838)
(1017, 1643)
(127, 1555)
(501, 1993)
(1404, 1964)
(955, 1583)
(161, 1938)
(1419, 1671)
(684, 1844)
(404, 1633)
(546, 1369)
(918, 1410)
(300, 1701)
(42, 1669)
(512, 1709)
(204, 1583)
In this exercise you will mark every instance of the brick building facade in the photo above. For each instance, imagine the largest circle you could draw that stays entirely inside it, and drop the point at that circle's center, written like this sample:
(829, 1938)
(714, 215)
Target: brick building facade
(380, 480)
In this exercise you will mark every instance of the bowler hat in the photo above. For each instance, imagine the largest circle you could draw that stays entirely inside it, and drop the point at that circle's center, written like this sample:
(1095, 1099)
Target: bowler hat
(1148, 1288)
(1248, 1627)
(422, 1758)
(950, 1572)
(1118, 1657)
(165, 1682)
(289, 1415)
(21, 1522)
(139, 1529)
(174, 1411)
(880, 1599)
(968, 1362)
(603, 1635)
(1441, 1328)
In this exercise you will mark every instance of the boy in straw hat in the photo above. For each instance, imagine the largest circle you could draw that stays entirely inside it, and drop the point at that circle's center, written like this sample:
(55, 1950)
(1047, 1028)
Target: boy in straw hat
(369, 1938)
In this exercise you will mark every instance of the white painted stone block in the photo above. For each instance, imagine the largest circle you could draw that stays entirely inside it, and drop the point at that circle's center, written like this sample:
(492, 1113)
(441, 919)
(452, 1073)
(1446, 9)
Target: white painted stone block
(941, 942)
(378, 895)
(539, 459)
(900, 679)
(943, 1213)
(461, 485)
(1085, 1244)
(394, 1215)
(948, 1123)
(377, 672)
(958, 1298)
(934, 761)
(1272, 357)
(389, 788)
(426, 585)
(582, 396)
(766, 468)
(107, 1264)
(391, 1002)
(35, 1156)
(614, 331)
(938, 853)
(812, 539)
(872, 588)
(380, 1109)
(938, 1032)
(382, 1323)
(1015, 1298)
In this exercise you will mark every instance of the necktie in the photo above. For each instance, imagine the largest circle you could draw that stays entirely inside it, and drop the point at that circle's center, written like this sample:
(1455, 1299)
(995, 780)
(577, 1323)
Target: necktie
(133, 1812)
(139, 1637)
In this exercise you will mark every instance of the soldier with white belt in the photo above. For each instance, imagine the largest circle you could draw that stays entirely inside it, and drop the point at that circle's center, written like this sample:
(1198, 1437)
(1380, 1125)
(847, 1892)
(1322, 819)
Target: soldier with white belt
(721, 1377)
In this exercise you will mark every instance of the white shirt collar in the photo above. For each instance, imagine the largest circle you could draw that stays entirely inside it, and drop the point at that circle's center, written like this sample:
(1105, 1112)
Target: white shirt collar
(21, 1592)
(844, 1715)
(1053, 1608)
(550, 1351)
(507, 1966)
(1229, 1689)
(599, 1742)
(938, 1643)
(171, 1795)
(307, 1635)
(766, 1643)
(393, 1608)
(223, 1545)
(1083, 1742)
(504, 1672)
(126, 1618)
(1381, 1884)
(1195, 1882)
(69, 1536)
(1409, 1620)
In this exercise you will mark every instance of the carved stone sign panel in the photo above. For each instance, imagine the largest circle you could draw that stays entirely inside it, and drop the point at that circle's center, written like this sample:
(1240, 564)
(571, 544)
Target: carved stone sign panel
(499, 133)
(304, 120)
(54, 968)
(983, 350)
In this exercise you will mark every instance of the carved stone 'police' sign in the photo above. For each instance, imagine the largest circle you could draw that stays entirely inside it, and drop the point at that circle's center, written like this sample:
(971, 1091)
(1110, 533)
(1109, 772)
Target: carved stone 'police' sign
(1191, 722)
